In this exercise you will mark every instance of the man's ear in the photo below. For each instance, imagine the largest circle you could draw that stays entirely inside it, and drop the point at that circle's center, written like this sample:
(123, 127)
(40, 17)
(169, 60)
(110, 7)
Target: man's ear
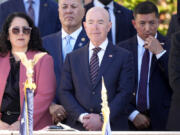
(110, 25)
(84, 24)
(134, 23)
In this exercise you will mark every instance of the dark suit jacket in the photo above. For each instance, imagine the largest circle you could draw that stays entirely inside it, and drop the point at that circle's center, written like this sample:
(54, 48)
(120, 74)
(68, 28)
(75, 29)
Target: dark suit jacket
(53, 44)
(48, 14)
(174, 25)
(174, 73)
(159, 89)
(124, 27)
(78, 95)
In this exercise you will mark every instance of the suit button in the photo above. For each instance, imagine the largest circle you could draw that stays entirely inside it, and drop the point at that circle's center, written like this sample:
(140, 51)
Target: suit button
(93, 92)
(91, 110)
(134, 94)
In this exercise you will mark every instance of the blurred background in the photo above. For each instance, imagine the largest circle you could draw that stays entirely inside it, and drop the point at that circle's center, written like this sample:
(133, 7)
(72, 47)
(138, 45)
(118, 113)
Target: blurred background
(166, 9)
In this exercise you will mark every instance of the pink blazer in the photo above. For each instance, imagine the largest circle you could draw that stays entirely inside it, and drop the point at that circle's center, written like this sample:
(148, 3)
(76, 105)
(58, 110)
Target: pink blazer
(44, 78)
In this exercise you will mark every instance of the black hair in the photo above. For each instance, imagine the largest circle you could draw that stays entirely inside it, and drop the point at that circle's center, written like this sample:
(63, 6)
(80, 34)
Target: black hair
(146, 7)
(35, 42)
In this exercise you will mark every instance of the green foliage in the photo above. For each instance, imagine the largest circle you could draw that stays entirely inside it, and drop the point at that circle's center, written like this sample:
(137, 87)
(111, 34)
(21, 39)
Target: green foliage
(166, 9)
(130, 4)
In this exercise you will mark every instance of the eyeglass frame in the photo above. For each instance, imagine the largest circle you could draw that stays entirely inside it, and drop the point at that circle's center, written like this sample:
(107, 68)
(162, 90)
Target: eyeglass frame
(22, 29)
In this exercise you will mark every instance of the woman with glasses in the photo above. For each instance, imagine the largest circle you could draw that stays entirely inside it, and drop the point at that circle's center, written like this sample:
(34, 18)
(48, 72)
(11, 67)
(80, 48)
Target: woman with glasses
(20, 35)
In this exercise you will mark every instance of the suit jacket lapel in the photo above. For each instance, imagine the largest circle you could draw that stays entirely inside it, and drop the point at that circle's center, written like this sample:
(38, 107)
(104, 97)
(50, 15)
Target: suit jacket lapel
(43, 3)
(85, 64)
(81, 40)
(22, 79)
(58, 49)
(132, 46)
(5, 68)
(119, 23)
(107, 59)
(135, 52)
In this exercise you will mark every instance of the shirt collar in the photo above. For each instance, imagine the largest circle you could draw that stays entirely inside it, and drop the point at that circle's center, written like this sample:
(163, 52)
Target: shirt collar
(102, 46)
(99, 4)
(74, 35)
(141, 41)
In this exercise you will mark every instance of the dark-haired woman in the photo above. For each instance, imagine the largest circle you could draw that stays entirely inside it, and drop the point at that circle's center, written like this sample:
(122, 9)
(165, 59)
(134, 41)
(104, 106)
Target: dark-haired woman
(20, 35)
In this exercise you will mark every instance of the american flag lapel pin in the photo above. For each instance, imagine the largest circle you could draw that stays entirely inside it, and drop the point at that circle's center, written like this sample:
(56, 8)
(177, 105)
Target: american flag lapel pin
(83, 39)
(162, 44)
(110, 55)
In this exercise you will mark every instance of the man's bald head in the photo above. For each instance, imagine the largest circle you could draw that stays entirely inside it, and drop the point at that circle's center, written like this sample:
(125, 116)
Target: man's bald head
(97, 25)
(98, 10)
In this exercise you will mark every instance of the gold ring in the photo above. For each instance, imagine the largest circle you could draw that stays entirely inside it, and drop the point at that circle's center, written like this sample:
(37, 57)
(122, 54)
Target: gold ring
(58, 114)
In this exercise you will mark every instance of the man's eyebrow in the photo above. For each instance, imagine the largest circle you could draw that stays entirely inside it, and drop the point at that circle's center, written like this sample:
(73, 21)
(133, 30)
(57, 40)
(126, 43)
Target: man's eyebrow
(90, 20)
(101, 20)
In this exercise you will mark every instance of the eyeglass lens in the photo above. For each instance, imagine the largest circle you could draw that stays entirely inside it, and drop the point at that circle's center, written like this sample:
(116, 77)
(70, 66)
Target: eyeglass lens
(26, 30)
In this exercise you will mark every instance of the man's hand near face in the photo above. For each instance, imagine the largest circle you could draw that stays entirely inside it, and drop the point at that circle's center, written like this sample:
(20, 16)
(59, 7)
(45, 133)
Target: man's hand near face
(153, 45)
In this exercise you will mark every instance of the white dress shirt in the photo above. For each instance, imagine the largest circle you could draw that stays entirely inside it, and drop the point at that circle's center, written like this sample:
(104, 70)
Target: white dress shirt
(141, 50)
(100, 53)
(36, 7)
(74, 37)
(112, 17)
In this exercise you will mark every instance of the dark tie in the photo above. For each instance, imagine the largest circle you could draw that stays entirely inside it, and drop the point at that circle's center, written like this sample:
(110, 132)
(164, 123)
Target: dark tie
(142, 92)
(94, 65)
(110, 32)
(31, 9)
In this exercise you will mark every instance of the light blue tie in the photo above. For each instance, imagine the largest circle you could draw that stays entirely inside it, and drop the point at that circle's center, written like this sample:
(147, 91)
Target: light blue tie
(68, 47)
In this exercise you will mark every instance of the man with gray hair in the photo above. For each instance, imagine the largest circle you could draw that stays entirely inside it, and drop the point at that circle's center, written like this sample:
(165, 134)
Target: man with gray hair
(69, 38)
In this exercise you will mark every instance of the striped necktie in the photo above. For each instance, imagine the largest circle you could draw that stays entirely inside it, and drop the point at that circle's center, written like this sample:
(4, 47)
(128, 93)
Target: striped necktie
(94, 65)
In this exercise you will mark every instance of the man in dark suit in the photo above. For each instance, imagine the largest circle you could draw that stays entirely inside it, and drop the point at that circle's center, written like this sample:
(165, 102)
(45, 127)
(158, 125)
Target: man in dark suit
(120, 17)
(45, 13)
(174, 75)
(81, 83)
(71, 13)
(152, 94)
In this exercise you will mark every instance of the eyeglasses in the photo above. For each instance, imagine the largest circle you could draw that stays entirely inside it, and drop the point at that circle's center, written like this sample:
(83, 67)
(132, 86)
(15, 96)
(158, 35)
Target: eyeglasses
(25, 30)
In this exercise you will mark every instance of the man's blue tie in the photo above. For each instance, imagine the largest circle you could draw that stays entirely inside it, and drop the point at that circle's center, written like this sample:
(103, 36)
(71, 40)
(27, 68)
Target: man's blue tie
(68, 47)
(142, 92)
(94, 65)
(31, 9)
